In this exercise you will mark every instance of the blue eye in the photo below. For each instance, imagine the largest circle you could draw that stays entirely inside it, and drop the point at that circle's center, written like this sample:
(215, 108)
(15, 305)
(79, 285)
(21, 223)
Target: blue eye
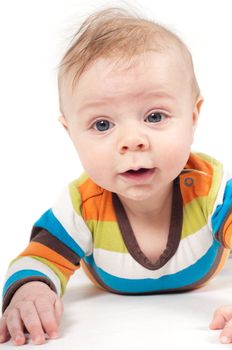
(102, 125)
(156, 117)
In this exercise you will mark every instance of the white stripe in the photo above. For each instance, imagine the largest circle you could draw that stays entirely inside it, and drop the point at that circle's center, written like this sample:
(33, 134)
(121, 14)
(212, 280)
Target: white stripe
(27, 263)
(72, 222)
(123, 265)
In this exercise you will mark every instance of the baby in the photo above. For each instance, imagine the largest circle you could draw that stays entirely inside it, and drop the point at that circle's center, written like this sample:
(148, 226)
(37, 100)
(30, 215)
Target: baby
(148, 215)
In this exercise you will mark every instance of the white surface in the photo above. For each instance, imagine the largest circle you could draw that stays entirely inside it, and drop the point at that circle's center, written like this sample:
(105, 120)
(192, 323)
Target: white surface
(95, 319)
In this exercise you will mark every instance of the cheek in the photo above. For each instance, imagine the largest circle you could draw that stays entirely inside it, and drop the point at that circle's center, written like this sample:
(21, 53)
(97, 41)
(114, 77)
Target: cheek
(176, 150)
(95, 159)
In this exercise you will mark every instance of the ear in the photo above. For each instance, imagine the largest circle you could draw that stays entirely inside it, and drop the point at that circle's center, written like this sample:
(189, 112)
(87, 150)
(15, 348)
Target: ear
(63, 121)
(196, 110)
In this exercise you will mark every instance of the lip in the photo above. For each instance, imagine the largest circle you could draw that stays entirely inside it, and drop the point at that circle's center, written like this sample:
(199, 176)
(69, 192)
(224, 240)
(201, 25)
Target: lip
(138, 176)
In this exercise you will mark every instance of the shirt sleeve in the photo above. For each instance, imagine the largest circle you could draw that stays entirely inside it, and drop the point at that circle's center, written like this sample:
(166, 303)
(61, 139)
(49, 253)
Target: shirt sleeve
(222, 216)
(59, 240)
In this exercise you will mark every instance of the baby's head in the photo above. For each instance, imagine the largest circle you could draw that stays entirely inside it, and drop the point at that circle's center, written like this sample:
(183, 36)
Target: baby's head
(129, 99)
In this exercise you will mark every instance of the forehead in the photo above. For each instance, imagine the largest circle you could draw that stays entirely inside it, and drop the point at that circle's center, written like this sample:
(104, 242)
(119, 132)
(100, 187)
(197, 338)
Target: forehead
(110, 78)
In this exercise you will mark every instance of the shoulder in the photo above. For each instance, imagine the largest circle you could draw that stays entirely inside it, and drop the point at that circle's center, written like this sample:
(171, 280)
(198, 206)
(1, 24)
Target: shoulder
(87, 196)
(83, 186)
(204, 163)
(202, 180)
(209, 167)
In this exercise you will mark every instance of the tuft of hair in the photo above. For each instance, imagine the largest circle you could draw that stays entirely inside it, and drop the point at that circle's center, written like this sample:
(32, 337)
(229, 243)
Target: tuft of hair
(119, 34)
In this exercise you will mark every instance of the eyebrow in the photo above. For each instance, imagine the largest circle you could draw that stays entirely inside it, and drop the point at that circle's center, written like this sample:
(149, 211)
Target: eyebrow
(160, 94)
(106, 100)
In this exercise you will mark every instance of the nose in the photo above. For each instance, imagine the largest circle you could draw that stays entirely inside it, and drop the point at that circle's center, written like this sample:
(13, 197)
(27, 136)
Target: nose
(133, 143)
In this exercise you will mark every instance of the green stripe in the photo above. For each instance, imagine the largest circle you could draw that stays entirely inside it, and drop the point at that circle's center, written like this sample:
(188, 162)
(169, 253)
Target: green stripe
(106, 235)
(75, 194)
(193, 216)
(197, 212)
(60, 275)
(216, 183)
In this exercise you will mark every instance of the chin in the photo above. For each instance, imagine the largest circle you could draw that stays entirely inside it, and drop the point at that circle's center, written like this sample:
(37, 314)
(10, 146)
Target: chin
(136, 196)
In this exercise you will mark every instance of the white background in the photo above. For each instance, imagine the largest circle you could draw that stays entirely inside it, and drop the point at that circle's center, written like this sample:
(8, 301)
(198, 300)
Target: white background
(37, 158)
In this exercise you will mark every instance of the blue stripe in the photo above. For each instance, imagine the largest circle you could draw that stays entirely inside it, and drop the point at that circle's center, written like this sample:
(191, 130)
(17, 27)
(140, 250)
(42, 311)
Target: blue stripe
(19, 275)
(49, 222)
(177, 280)
(222, 209)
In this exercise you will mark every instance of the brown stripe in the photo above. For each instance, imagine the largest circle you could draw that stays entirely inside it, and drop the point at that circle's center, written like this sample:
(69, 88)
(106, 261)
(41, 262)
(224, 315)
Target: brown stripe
(219, 234)
(15, 286)
(173, 236)
(44, 237)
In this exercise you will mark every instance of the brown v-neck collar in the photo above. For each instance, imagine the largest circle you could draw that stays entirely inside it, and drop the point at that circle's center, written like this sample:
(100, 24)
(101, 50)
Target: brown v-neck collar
(173, 236)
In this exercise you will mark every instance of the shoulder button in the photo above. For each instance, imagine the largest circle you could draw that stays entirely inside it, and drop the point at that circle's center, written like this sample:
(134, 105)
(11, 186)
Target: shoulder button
(188, 181)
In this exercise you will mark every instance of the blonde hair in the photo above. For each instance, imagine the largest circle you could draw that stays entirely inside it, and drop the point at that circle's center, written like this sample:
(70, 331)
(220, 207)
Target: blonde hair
(119, 34)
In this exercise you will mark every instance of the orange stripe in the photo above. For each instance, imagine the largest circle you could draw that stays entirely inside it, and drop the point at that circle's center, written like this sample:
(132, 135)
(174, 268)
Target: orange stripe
(225, 255)
(88, 189)
(38, 249)
(94, 199)
(201, 183)
(196, 162)
(88, 274)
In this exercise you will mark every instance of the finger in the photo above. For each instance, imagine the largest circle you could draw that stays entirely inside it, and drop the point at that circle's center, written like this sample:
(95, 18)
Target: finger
(32, 322)
(4, 333)
(221, 316)
(59, 310)
(15, 326)
(46, 312)
(226, 334)
(218, 321)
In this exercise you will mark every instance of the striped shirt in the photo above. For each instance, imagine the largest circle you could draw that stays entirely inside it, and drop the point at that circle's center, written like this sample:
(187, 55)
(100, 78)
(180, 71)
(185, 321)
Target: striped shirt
(88, 226)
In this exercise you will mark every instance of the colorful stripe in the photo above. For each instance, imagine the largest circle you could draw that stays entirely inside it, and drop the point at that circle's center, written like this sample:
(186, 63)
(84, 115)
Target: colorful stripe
(223, 208)
(180, 279)
(76, 231)
(49, 222)
(83, 225)
(124, 266)
(21, 268)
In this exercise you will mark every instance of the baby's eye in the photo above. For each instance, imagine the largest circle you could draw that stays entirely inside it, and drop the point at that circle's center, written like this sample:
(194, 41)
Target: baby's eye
(156, 117)
(102, 125)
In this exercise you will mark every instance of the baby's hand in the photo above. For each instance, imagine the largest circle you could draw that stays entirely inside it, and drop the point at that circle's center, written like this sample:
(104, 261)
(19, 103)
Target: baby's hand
(37, 308)
(222, 319)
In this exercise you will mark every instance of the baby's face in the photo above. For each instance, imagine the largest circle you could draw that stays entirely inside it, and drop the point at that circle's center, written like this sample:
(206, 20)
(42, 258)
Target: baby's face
(142, 117)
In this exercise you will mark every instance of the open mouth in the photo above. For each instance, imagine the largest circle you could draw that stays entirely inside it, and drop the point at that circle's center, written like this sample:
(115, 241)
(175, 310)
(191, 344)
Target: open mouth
(139, 171)
(140, 174)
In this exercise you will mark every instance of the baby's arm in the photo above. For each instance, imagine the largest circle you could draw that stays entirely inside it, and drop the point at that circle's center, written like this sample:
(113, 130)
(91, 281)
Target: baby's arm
(222, 319)
(34, 308)
(59, 240)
